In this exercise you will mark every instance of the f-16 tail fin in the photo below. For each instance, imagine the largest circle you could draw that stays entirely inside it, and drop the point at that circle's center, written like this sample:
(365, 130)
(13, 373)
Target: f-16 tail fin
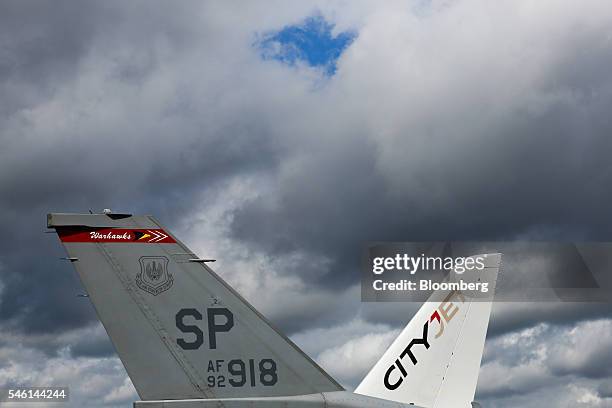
(435, 361)
(179, 329)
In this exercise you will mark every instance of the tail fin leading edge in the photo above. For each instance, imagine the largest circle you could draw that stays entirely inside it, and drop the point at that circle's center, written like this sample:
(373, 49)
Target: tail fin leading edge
(435, 360)
(179, 329)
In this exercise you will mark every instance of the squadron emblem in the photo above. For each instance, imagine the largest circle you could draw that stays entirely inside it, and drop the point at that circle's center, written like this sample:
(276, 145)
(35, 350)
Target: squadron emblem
(154, 276)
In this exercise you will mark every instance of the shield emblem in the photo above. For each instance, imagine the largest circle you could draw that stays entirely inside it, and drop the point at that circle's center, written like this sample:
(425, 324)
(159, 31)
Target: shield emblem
(154, 277)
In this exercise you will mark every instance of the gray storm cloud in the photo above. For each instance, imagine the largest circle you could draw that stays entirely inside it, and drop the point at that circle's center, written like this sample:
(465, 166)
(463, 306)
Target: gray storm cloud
(446, 120)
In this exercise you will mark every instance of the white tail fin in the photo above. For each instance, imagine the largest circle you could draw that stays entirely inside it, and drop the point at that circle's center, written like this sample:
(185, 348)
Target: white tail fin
(434, 362)
(179, 329)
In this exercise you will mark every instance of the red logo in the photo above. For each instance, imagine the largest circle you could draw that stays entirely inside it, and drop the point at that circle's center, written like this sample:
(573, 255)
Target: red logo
(140, 236)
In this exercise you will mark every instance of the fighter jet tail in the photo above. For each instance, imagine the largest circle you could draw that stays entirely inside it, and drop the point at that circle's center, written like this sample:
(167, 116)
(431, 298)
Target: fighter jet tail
(179, 329)
(435, 360)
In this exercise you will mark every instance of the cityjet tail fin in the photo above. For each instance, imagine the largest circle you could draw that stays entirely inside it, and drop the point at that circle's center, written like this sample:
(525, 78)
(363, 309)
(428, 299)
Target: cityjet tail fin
(434, 362)
(179, 329)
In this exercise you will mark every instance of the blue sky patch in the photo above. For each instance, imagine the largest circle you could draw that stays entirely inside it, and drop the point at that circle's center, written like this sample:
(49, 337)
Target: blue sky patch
(310, 41)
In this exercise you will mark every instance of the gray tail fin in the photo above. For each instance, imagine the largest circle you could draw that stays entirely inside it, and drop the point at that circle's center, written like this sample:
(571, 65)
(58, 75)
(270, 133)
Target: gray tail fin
(179, 329)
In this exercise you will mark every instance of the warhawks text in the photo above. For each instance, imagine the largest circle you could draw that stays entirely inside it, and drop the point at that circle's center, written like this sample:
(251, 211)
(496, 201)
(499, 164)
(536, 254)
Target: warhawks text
(126, 236)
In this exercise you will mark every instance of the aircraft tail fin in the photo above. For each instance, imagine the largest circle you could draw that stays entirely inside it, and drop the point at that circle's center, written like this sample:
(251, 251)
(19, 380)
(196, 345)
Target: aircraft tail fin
(179, 329)
(435, 361)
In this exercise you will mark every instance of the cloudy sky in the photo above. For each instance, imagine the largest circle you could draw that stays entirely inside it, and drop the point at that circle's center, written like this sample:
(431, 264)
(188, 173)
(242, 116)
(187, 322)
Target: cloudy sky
(279, 137)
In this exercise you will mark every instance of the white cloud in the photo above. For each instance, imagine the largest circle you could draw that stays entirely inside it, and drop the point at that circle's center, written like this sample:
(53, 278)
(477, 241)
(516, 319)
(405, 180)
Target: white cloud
(349, 350)
(563, 365)
(584, 349)
(92, 382)
(350, 362)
